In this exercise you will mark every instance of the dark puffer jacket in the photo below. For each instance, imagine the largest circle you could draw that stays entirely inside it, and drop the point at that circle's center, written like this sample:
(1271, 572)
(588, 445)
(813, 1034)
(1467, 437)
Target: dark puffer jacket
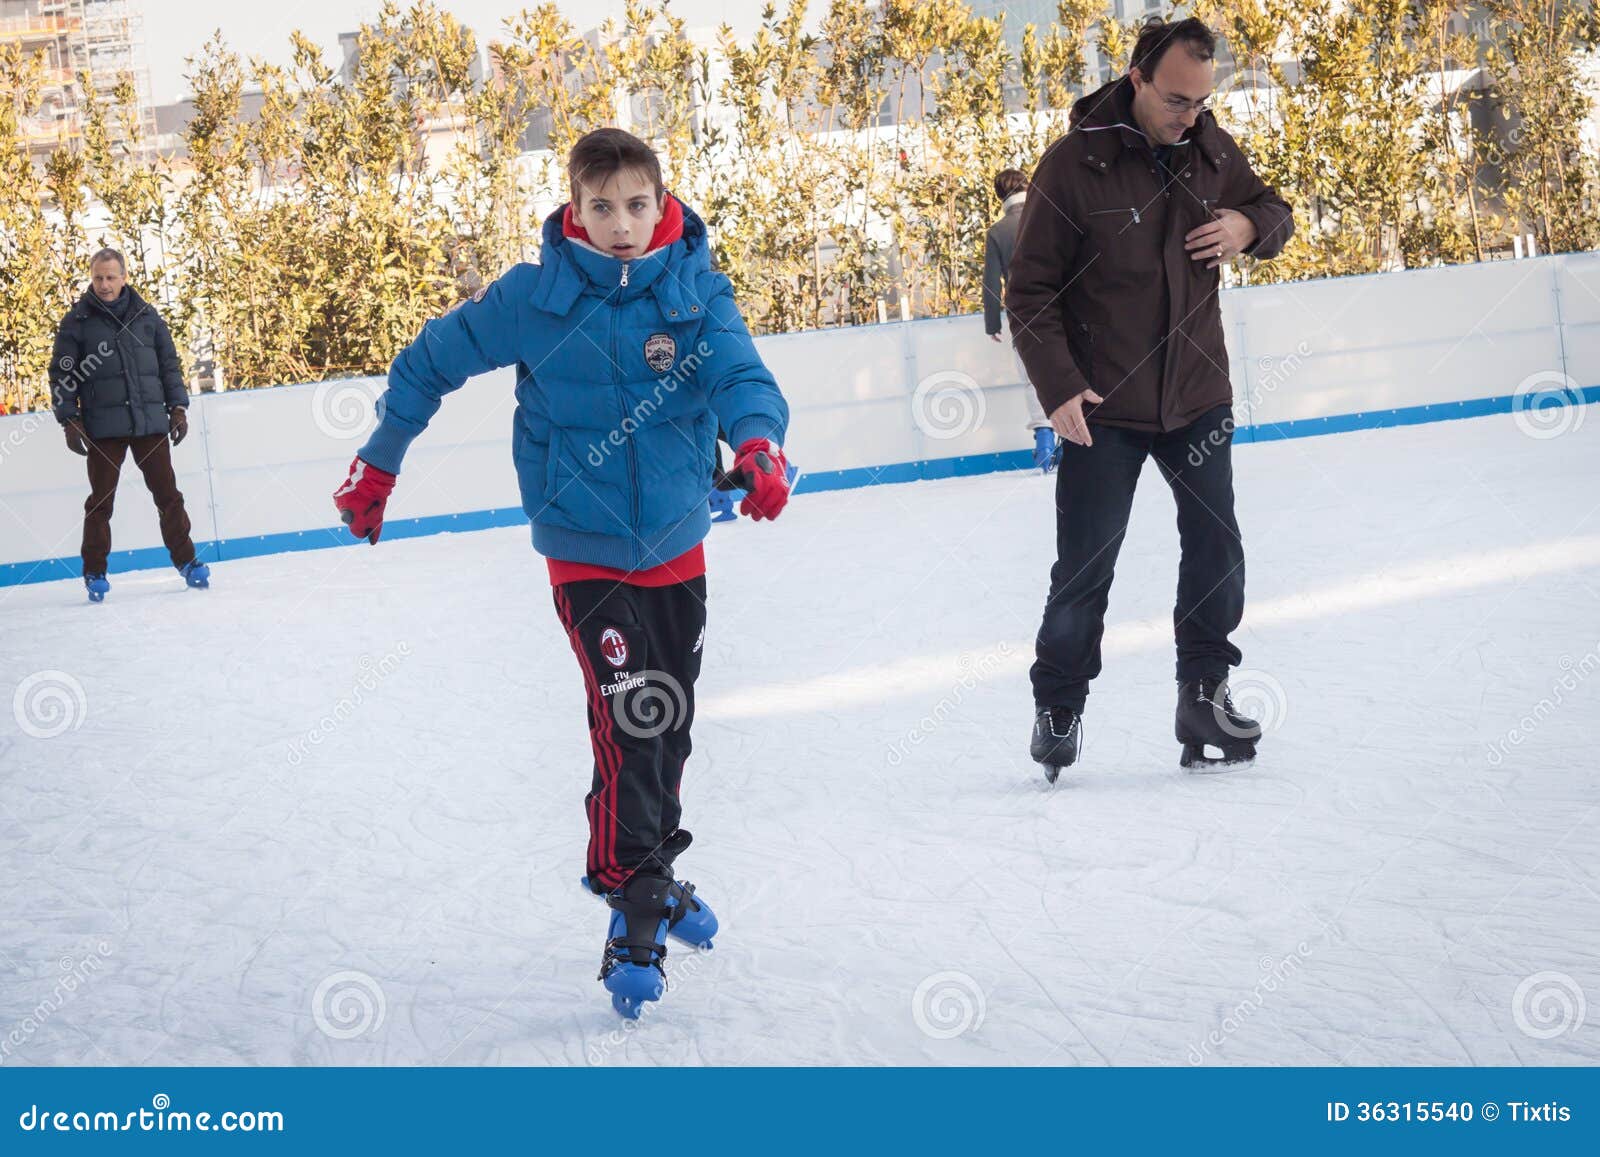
(120, 376)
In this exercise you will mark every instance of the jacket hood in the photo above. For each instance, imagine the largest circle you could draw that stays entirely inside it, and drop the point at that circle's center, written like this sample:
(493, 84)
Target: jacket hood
(694, 244)
(567, 267)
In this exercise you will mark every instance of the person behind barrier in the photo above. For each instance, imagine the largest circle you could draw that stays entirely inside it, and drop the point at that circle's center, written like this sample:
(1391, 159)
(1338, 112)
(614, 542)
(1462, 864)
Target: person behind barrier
(1011, 187)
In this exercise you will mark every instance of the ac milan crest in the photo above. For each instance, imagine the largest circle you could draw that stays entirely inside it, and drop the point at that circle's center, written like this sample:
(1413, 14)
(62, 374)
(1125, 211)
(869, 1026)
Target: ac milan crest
(660, 351)
(614, 647)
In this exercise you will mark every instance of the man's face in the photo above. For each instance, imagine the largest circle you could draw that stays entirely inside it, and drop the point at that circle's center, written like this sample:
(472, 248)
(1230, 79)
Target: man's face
(1167, 105)
(108, 278)
(621, 214)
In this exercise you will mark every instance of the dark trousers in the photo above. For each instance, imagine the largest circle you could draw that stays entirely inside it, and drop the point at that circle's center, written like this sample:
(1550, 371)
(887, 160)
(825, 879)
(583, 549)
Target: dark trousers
(639, 650)
(154, 460)
(1094, 492)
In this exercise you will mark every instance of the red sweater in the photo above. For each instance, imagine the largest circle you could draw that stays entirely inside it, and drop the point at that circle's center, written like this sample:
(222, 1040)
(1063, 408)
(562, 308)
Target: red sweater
(688, 565)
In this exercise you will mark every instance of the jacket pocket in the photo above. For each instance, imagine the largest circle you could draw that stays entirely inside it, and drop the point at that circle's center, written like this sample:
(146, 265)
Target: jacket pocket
(552, 473)
(1123, 217)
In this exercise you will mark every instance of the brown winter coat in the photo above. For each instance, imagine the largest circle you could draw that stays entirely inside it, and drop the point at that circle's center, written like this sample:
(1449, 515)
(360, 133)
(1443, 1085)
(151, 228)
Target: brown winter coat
(1101, 291)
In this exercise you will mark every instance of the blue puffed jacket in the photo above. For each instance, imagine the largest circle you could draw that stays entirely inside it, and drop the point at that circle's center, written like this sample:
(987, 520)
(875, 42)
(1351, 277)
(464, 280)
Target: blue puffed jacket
(625, 371)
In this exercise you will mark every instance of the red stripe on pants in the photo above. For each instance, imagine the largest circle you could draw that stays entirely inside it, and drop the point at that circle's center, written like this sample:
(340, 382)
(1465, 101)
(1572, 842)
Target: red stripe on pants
(608, 759)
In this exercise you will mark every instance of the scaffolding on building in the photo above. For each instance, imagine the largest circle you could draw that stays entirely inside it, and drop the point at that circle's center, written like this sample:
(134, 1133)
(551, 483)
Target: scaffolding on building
(101, 41)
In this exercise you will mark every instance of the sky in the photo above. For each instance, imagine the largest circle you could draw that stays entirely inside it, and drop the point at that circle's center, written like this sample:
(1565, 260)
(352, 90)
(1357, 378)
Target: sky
(175, 29)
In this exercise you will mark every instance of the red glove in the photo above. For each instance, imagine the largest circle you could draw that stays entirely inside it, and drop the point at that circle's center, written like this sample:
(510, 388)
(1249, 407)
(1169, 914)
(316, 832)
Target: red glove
(761, 469)
(361, 499)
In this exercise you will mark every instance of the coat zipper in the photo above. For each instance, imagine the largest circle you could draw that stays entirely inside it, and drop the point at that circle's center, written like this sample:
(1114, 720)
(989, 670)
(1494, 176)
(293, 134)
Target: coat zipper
(1137, 219)
(622, 411)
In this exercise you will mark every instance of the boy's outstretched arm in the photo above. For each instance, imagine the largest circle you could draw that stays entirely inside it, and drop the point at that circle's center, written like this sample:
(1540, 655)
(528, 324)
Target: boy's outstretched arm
(745, 398)
(477, 336)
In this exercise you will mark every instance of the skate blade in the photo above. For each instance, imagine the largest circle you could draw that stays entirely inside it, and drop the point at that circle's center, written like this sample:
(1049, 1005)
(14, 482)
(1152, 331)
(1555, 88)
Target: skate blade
(1195, 760)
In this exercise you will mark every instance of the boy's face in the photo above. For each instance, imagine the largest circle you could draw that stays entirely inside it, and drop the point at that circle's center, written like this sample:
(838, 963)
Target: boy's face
(620, 215)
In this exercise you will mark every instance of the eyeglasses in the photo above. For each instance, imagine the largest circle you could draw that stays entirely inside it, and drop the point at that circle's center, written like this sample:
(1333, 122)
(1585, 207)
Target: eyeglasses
(1177, 105)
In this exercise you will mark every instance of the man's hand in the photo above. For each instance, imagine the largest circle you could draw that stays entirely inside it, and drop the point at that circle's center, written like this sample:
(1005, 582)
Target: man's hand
(760, 469)
(177, 425)
(1068, 421)
(77, 437)
(1220, 240)
(360, 501)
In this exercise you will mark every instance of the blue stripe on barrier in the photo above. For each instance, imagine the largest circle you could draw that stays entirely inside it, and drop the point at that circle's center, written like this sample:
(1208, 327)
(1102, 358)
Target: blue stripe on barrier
(920, 471)
(147, 558)
(1402, 416)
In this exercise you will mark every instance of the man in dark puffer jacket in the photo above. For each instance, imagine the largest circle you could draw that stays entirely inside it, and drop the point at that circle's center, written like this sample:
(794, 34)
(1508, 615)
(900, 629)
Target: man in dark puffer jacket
(117, 385)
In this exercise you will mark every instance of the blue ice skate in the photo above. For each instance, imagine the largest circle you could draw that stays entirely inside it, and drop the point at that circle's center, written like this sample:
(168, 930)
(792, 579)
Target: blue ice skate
(97, 586)
(722, 506)
(691, 920)
(636, 944)
(197, 574)
(1046, 452)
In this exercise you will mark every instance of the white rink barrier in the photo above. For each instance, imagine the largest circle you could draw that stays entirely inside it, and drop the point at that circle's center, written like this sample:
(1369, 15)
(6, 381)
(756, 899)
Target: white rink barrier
(870, 404)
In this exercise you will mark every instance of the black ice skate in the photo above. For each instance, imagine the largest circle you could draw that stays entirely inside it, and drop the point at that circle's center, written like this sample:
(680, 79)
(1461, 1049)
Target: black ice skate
(1206, 719)
(1056, 734)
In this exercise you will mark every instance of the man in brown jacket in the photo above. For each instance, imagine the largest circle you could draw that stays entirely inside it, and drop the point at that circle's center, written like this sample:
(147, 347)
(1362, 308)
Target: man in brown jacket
(1112, 298)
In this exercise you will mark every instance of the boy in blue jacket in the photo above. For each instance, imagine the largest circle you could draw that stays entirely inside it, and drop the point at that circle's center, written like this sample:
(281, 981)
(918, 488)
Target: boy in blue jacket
(630, 354)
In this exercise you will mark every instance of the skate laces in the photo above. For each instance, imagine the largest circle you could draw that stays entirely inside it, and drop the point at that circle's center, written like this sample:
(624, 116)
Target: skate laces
(1063, 715)
(1209, 692)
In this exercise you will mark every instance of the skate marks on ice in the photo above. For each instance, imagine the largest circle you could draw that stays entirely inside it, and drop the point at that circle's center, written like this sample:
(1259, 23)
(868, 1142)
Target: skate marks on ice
(311, 846)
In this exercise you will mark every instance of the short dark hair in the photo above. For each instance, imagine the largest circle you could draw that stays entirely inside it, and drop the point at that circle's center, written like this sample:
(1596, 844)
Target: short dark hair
(1156, 36)
(109, 254)
(602, 154)
(1008, 182)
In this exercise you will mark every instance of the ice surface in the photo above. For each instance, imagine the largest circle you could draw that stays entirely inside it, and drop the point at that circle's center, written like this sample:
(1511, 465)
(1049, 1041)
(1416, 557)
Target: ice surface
(330, 811)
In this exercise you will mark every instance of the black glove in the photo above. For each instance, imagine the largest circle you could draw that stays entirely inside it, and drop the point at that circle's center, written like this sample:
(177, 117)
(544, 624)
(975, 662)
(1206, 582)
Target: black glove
(177, 425)
(77, 437)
